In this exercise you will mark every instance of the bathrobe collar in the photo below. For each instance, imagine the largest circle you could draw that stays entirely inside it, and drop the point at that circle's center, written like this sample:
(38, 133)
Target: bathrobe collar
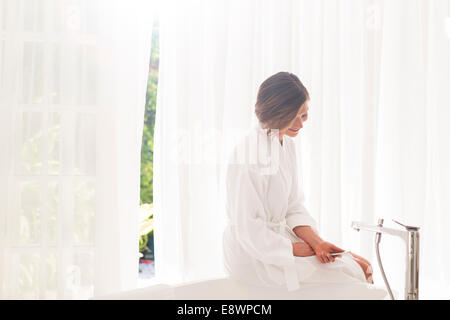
(268, 150)
(273, 136)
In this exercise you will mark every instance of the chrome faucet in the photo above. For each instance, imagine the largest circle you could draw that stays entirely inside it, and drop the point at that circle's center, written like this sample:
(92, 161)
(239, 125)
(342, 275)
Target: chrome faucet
(411, 237)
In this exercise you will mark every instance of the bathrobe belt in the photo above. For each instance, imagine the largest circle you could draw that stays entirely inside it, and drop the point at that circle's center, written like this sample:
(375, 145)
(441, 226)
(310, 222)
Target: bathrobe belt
(290, 271)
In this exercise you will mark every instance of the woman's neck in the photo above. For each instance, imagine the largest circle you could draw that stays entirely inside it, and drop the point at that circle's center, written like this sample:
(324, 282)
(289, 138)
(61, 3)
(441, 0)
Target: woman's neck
(280, 137)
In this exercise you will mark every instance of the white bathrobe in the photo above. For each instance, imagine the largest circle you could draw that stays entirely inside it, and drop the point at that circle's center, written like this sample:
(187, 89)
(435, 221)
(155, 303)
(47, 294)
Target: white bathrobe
(264, 202)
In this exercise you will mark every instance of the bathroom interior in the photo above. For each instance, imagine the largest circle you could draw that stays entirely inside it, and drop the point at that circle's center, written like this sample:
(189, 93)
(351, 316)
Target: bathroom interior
(117, 119)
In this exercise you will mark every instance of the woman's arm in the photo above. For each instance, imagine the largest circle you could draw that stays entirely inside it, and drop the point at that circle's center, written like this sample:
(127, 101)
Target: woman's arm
(302, 249)
(307, 234)
(321, 248)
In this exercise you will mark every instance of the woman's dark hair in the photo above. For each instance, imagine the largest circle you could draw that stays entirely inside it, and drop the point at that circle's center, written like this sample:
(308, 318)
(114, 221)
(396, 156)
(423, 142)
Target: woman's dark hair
(279, 98)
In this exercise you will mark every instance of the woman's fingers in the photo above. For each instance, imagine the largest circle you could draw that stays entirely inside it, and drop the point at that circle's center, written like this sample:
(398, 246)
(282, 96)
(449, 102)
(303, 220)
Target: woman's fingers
(319, 256)
(325, 257)
(324, 250)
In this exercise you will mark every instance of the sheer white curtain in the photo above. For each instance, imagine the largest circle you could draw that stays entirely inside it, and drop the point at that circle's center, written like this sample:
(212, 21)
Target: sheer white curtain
(73, 78)
(376, 143)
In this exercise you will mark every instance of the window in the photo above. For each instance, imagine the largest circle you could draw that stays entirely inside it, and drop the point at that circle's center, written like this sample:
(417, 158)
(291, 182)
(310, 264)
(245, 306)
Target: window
(146, 248)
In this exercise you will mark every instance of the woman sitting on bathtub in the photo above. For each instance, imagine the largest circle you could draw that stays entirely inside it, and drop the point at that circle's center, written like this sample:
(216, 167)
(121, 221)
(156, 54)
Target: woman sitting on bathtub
(271, 239)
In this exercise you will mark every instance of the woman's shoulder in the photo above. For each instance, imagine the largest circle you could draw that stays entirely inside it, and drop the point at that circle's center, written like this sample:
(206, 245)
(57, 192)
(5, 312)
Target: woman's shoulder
(246, 148)
(247, 160)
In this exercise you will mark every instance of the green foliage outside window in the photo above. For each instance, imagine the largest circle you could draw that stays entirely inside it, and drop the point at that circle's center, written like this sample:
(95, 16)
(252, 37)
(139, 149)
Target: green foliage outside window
(146, 240)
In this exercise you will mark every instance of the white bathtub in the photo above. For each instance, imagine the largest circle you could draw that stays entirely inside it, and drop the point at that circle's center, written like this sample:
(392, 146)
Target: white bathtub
(228, 289)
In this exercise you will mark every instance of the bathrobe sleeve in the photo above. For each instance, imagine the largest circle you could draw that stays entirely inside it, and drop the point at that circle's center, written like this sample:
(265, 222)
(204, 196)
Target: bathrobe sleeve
(247, 212)
(297, 215)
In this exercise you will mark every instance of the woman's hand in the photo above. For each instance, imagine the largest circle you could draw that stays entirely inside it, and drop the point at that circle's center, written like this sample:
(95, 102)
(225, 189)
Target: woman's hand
(302, 249)
(323, 250)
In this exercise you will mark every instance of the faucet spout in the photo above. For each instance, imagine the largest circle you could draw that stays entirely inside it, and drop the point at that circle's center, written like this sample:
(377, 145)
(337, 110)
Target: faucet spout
(379, 229)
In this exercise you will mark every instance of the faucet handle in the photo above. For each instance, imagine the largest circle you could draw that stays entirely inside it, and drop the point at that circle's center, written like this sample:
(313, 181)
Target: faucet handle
(409, 228)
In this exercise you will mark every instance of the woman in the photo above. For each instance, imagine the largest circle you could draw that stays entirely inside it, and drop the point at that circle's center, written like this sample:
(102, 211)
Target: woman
(271, 239)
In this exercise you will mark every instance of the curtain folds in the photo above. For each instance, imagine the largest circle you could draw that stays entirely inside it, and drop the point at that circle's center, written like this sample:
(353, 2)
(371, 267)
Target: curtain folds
(73, 79)
(375, 145)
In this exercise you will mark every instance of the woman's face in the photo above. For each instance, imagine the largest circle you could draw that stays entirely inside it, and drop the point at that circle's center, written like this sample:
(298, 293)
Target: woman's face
(297, 123)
